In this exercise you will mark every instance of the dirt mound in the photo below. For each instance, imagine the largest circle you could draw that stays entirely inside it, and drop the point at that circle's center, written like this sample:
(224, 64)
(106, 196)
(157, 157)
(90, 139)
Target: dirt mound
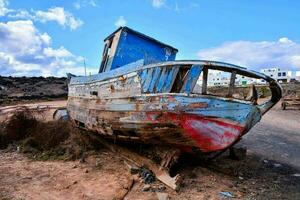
(44, 140)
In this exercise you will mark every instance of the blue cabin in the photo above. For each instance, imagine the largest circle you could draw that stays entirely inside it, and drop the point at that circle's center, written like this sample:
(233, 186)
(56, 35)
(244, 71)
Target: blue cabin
(126, 46)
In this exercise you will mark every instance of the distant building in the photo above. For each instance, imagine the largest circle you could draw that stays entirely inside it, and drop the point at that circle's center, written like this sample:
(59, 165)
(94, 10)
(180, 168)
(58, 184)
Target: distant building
(220, 78)
(280, 75)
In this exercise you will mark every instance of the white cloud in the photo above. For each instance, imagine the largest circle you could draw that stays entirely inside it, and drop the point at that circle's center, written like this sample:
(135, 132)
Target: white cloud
(46, 38)
(26, 51)
(58, 53)
(3, 7)
(55, 14)
(121, 21)
(158, 3)
(284, 53)
(59, 15)
(20, 14)
(84, 3)
(177, 6)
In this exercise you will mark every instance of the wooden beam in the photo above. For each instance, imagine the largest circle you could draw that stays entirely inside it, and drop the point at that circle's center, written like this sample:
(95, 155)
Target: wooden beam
(231, 84)
(204, 80)
(191, 79)
(138, 160)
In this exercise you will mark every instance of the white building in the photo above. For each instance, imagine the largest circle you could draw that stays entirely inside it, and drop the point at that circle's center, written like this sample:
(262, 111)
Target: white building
(280, 75)
(218, 78)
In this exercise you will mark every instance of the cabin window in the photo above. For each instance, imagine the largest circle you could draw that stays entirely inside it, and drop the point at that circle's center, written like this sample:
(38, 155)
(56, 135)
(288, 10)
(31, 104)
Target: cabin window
(218, 83)
(251, 89)
(179, 80)
(213, 82)
(232, 85)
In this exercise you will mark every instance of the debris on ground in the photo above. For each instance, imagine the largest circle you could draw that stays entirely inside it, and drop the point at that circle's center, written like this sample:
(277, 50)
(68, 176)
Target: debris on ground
(162, 196)
(226, 194)
(147, 175)
(146, 188)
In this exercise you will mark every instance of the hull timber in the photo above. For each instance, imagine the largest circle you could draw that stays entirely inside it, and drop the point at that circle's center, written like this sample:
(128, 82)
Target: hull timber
(155, 104)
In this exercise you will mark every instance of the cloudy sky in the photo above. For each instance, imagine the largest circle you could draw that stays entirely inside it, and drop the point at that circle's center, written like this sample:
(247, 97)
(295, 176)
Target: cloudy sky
(50, 38)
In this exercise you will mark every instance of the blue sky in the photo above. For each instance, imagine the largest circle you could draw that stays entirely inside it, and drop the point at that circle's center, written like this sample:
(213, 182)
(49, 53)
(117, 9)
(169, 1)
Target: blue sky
(53, 37)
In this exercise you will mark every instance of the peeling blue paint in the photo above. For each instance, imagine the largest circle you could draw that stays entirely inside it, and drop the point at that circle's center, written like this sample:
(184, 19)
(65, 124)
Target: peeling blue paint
(132, 46)
(191, 78)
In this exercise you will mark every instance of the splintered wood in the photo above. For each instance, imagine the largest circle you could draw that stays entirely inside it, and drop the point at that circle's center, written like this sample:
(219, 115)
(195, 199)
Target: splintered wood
(135, 159)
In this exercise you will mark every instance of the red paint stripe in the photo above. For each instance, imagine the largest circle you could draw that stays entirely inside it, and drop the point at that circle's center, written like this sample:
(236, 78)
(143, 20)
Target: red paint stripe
(210, 134)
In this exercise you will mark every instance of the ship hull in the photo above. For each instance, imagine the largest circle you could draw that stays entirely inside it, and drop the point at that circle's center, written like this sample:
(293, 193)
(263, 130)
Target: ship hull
(208, 124)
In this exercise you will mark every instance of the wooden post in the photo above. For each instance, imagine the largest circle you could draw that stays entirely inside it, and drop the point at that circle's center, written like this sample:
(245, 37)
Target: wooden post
(231, 84)
(204, 80)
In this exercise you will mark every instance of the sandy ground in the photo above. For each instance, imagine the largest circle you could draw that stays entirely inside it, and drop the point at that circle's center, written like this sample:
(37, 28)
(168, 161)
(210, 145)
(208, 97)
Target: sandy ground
(277, 136)
(271, 170)
(47, 109)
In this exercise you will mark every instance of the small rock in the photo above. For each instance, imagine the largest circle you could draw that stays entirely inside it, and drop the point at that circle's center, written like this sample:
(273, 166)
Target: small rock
(82, 159)
(146, 188)
(98, 163)
(86, 171)
(134, 170)
(147, 175)
(162, 196)
(226, 194)
(161, 188)
(296, 175)
(239, 194)
(277, 165)
(241, 178)
(74, 166)
(265, 161)
(68, 186)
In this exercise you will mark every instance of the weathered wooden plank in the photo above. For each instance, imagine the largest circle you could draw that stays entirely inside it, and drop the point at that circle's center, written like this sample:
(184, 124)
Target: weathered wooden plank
(140, 161)
(123, 86)
(191, 79)
(204, 80)
(170, 79)
(154, 80)
(161, 81)
(231, 84)
(143, 75)
(148, 79)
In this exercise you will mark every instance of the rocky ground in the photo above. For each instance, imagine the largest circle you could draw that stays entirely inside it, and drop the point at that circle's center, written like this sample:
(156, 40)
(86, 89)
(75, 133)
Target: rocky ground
(270, 170)
(14, 90)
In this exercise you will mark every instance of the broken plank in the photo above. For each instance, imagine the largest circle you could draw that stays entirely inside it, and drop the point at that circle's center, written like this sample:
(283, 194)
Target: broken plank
(138, 160)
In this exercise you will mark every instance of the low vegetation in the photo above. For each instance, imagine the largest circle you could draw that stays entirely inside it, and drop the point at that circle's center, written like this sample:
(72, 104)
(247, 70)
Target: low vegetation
(44, 140)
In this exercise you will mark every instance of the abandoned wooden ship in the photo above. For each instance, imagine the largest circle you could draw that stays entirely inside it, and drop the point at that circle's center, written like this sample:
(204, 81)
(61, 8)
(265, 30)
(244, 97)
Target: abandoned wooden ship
(142, 94)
